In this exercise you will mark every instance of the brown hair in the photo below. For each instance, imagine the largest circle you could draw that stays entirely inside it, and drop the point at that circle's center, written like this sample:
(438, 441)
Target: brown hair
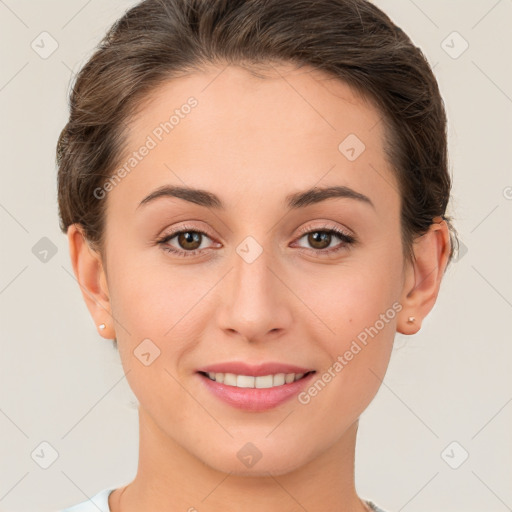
(351, 40)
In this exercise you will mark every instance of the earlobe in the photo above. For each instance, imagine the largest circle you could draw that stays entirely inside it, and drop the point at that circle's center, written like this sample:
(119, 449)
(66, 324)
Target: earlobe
(90, 274)
(424, 276)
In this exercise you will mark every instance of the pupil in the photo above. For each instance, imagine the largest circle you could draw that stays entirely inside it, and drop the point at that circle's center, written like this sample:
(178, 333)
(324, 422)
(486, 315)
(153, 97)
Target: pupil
(320, 237)
(189, 238)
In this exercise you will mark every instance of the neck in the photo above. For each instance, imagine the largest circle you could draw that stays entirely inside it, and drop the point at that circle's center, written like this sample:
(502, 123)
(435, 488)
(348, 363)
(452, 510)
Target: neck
(171, 479)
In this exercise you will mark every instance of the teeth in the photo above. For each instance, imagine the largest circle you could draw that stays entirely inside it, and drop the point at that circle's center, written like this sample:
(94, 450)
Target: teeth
(289, 377)
(248, 381)
(229, 379)
(245, 381)
(278, 379)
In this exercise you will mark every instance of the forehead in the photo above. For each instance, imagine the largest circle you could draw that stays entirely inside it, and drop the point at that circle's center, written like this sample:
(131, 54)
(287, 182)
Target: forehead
(224, 128)
(266, 100)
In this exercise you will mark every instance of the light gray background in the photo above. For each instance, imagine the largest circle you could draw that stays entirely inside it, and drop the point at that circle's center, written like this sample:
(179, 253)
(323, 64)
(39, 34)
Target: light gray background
(62, 384)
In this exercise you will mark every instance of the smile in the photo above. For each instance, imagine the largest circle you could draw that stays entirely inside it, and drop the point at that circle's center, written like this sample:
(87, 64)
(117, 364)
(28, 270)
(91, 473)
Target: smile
(250, 381)
(256, 393)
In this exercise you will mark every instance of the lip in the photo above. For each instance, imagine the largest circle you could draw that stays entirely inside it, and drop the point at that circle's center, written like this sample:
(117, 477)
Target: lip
(254, 370)
(255, 399)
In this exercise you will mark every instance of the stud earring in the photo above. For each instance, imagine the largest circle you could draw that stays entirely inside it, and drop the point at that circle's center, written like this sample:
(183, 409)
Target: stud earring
(411, 319)
(102, 326)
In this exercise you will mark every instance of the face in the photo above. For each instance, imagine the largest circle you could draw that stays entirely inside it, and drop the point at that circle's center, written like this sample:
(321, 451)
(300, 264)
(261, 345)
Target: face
(251, 273)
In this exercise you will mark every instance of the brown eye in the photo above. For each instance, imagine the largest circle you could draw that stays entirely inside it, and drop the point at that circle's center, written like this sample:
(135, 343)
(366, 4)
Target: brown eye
(319, 239)
(189, 240)
(185, 242)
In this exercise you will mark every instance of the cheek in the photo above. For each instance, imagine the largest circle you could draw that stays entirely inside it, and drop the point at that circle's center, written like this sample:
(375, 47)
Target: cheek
(352, 298)
(363, 323)
(152, 297)
(358, 304)
(157, 308)
(162, 313)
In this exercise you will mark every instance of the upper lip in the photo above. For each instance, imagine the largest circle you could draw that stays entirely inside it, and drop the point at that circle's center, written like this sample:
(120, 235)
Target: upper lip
(255, 370)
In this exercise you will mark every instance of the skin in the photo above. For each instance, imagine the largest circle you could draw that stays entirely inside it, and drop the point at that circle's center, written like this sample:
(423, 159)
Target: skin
(252, 141)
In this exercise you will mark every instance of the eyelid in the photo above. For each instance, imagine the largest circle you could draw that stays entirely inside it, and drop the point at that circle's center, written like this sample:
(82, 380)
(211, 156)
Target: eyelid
(326, 226)
(185, 227)
(322, 226)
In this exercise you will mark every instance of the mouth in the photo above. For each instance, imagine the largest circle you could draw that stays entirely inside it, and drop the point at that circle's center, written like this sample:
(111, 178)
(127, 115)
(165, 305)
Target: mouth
(255, 382)
(266, 387)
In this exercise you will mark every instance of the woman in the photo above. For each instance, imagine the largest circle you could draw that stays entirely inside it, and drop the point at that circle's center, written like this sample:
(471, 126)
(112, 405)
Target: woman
(254, 194)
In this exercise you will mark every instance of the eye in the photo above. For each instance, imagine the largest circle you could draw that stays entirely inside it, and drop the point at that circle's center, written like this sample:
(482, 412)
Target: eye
(189, 241)
(320, 239)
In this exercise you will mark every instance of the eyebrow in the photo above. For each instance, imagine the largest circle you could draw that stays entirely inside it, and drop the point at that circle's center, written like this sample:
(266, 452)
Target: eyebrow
(293, 201)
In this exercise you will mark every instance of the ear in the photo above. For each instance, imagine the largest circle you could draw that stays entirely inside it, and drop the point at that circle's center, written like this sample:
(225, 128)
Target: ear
(423, 276)
(90, 274)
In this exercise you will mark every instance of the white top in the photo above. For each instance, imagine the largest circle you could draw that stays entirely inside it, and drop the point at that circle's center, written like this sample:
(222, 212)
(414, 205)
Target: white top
(95, 504)
(100, 502)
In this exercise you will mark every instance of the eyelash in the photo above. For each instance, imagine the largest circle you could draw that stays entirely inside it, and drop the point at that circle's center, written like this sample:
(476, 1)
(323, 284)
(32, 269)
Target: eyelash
(348, 240)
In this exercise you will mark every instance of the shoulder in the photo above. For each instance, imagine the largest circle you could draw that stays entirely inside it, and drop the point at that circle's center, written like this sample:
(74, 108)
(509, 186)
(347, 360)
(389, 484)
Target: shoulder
(99, 502)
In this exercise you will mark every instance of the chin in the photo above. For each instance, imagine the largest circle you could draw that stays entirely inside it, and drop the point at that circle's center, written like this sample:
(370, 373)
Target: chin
(270, 461)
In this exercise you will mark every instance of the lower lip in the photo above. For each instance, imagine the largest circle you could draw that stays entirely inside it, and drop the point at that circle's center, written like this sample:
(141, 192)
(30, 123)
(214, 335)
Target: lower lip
(255, 399)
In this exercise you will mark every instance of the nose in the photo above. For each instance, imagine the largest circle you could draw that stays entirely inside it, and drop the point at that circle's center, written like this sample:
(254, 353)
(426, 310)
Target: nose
(254, 302)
